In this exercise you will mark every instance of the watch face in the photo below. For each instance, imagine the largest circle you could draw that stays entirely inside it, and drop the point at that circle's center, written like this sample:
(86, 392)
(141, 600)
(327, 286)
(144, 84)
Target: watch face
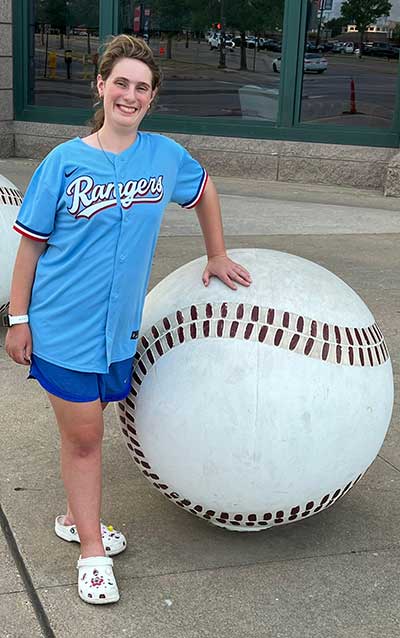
(6, 321)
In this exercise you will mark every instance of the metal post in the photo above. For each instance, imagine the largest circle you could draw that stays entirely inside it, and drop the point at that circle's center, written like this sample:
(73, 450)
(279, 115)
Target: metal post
(321, 15)
(222, 54)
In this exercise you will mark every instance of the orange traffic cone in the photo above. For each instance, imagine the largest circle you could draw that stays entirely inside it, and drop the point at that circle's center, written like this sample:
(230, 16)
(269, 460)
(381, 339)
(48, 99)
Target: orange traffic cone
(353, 107)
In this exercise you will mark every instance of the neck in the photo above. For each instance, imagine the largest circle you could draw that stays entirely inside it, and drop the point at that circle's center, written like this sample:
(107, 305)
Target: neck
(116, 141)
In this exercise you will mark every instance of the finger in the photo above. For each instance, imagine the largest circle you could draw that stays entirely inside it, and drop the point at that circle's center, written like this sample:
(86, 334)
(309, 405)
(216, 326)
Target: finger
(243, 272)
(229, 282)
(19, 357)
(28, 350)
(206, 278)
(241, 268)
(242, 280)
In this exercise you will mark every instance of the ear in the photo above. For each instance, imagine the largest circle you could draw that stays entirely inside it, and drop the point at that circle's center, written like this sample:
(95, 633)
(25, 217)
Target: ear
(153, 96)
(100, 85)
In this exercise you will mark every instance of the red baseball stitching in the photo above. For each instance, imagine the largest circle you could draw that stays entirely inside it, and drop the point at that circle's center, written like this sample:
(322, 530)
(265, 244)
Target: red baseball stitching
(331, 343)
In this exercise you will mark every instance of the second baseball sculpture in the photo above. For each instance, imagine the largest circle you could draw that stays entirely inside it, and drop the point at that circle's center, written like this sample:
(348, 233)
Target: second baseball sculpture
(10, 202)
(261, 406)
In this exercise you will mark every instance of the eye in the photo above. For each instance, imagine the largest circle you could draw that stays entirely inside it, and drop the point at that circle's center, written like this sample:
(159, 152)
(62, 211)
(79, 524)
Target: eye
(121, 83)
(143, 89)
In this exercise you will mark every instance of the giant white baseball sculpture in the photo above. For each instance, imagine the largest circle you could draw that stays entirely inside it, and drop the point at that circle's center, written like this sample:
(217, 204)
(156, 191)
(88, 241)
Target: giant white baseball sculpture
(10, 202)
(261, 406)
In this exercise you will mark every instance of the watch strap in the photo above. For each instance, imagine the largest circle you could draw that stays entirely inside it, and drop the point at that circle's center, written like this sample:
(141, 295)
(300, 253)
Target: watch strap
(13, 320)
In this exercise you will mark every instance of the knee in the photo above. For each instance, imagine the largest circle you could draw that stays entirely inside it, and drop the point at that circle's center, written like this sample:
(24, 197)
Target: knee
(84, 442)
(84, 450)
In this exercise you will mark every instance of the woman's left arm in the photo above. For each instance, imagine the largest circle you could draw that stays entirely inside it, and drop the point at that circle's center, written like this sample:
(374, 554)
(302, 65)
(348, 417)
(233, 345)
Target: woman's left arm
(219, 265)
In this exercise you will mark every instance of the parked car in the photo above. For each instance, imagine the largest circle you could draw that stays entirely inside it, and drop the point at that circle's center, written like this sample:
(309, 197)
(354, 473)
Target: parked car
(261, 44)
(348, 47)
(215, 43)
(273, 45)
(311, 47)
(313, 63)
(382, 50)
(251, 41)
(337, 47)
(325, 47)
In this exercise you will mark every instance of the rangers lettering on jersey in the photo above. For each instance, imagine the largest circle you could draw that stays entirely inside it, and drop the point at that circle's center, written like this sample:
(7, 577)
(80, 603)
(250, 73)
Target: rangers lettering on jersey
(89, 198)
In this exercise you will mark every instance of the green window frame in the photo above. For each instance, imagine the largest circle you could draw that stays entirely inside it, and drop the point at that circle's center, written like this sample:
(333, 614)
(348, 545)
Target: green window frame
(287, 127)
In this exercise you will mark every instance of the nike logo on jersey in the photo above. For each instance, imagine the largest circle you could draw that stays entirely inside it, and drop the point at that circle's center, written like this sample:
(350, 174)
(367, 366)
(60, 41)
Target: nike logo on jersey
(70, 173)
(89, 198)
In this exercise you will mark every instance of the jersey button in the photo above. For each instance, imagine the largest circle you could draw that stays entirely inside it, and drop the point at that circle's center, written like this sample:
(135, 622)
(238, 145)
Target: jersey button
(122, 257)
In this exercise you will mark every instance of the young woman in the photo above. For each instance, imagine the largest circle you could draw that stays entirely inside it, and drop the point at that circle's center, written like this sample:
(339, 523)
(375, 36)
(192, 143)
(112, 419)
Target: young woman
(89, 224)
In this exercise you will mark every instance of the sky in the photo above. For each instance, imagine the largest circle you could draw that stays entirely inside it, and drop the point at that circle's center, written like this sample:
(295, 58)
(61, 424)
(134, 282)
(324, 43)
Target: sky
(394, 15)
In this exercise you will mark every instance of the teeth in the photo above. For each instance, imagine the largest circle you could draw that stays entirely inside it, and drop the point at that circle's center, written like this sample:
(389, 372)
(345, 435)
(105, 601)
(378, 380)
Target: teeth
(127, 109)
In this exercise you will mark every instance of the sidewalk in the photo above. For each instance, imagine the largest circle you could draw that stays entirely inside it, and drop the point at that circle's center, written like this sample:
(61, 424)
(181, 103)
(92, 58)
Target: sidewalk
(335, 575)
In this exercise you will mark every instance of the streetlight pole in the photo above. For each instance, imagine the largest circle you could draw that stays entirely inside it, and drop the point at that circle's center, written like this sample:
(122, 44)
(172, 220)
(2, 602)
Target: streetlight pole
(321, 15)
(222, 54)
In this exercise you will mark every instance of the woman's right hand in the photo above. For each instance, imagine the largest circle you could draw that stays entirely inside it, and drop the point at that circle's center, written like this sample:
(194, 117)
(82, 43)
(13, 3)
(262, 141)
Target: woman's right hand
(19, 343)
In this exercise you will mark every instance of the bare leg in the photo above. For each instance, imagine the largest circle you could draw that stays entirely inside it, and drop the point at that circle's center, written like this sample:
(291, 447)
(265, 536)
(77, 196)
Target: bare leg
(81, 429)
(69, 517)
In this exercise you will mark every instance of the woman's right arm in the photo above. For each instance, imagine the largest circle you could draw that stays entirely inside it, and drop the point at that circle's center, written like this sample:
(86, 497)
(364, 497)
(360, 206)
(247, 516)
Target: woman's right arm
(19, 339)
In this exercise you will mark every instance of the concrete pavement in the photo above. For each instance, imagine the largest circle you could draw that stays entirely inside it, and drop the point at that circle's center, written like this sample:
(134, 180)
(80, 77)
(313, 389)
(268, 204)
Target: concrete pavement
(335, 575)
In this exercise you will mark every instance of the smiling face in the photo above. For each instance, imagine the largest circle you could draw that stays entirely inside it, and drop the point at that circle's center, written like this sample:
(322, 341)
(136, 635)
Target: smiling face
(127, 93)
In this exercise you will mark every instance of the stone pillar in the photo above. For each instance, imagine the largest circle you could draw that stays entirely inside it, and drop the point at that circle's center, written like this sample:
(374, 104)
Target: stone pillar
(6, 80)
(392, 184)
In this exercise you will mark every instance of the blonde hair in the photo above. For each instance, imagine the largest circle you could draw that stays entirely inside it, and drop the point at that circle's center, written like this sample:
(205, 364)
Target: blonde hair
(124, 46)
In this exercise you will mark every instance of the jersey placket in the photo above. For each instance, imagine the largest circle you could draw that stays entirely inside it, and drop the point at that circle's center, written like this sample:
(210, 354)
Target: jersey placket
(114, 300)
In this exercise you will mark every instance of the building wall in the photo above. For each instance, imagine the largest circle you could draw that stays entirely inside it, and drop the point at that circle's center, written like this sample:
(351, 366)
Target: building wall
(267, 159)
(6, 79)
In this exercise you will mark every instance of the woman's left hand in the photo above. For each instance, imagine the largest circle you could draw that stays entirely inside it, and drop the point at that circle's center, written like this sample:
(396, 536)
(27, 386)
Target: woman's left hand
(227, 271)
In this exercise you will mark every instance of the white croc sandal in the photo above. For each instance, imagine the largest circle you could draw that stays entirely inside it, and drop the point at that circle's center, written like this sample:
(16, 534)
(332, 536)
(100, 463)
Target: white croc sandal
(114, 542)
(96, 580)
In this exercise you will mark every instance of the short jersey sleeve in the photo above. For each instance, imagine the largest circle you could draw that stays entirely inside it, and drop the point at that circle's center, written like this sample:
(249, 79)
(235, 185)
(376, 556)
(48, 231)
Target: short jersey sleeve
(191, 181)
(37, 213)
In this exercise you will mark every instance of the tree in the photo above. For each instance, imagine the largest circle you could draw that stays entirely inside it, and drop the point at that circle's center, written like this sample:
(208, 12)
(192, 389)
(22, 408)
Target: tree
(256, 16)
(54, 12)
(335, 26)
(396, 33)
(363, 13)
(171, 17)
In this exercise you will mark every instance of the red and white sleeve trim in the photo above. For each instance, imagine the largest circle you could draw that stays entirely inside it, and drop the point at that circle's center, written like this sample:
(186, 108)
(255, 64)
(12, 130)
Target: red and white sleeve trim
(193, 202)
(28, 232)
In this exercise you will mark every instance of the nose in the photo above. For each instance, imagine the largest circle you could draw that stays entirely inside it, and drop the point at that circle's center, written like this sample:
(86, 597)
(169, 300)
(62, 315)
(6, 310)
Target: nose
(132, 94)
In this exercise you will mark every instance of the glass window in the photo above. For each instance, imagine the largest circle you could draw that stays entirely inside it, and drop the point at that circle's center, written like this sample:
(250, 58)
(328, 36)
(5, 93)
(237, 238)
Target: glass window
(219, 58)
(63, 45)
(342, 84)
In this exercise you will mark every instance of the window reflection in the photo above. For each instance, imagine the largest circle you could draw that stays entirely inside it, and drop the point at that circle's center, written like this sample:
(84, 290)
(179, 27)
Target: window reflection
(353, 87)
(64, 40)
(217, 57)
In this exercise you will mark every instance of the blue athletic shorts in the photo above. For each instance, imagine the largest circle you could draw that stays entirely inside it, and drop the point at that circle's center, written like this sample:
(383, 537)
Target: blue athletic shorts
(80, 387)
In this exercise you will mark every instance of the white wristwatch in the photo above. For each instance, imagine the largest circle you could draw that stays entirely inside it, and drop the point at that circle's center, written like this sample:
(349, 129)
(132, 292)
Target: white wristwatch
(13, 320)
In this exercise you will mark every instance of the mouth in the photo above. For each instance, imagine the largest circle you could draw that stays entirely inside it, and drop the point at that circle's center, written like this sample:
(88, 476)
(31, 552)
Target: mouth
(127, 110)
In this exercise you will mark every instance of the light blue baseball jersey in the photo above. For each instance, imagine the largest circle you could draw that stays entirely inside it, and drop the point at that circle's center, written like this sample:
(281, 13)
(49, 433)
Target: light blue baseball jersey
(100, 214)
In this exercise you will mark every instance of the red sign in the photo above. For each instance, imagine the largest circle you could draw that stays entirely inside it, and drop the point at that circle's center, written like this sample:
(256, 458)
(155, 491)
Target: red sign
(136, 20)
